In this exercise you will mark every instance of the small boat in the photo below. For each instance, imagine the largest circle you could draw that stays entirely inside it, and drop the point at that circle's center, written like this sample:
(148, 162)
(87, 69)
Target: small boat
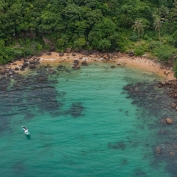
(25, 130)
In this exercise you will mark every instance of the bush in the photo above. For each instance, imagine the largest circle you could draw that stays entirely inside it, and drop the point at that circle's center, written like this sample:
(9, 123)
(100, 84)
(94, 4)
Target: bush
(139, 51)
(164, 52)
(79, 43)
(175, 69)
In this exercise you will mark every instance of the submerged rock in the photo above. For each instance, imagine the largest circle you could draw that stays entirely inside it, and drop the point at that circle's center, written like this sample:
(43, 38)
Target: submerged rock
(169, 121)
(84, 63)
(158, 150)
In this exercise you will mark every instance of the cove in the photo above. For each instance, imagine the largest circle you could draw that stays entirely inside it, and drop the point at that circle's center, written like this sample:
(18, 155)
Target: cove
(96, 121)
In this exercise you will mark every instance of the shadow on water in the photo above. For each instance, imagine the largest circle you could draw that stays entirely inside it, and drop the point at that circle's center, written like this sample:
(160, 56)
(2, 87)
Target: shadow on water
(28, 137)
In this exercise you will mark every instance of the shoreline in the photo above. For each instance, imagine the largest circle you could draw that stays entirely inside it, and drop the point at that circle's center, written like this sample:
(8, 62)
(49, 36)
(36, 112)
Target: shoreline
(142, 63)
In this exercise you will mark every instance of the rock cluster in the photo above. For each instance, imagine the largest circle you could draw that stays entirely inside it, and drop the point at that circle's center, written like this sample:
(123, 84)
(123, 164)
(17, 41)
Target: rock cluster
(75, 64)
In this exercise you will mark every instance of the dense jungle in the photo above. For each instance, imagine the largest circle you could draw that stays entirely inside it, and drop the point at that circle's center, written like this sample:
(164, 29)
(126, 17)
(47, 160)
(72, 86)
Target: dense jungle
(147, 27)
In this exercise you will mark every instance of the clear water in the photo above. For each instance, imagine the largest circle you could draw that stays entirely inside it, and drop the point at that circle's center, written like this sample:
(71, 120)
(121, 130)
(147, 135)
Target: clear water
(82, 123)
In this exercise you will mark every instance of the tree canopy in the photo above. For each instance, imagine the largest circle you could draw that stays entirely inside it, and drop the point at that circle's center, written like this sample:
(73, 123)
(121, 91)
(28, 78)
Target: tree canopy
(104, 25)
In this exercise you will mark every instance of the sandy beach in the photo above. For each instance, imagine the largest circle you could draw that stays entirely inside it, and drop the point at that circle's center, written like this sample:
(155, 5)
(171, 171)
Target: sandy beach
(142, 63)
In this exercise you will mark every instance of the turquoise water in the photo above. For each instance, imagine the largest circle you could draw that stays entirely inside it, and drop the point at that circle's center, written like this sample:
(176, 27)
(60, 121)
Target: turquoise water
(85, 123)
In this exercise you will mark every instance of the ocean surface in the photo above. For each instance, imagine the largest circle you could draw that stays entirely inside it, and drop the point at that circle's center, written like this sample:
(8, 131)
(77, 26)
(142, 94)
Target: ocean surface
(94, 122)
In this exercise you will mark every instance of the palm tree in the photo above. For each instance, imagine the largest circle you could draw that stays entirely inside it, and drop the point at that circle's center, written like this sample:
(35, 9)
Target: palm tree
(157, 24)
(139, 27)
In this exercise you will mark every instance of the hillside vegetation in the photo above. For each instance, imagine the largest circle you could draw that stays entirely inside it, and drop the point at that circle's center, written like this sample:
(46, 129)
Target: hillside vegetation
(144, 26)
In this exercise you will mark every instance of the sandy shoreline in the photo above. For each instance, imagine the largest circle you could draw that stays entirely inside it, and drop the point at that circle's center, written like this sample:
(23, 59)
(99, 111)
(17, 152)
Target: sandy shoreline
(142, 63)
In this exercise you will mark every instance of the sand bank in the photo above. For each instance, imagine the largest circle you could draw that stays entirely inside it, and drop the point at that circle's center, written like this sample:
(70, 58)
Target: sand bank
(142, 63)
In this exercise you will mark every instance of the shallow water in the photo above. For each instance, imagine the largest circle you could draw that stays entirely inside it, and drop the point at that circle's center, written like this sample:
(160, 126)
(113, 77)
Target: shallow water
(85, 123)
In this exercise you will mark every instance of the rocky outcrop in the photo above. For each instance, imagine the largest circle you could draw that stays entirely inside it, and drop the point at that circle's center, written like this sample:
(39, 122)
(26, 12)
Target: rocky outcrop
(84, 63)
(32, 66)
(75, 64)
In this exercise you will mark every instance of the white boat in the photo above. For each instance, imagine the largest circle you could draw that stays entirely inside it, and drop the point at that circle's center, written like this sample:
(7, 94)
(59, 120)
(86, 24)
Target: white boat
(25, 130)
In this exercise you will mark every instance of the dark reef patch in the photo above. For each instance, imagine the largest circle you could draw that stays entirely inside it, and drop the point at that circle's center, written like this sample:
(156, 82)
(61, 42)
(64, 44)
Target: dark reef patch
(157, 104)
(76, 110)
(33, 93)
(139, 172)
(117, 145)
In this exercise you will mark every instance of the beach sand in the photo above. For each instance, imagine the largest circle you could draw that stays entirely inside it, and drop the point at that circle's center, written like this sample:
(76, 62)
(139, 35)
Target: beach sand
(142, 63)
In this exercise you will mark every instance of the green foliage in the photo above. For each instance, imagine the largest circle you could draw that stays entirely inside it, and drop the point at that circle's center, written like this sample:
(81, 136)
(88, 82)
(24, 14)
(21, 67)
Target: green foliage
(89, 24)
(175, 69)
(164, 52)
(79, 43)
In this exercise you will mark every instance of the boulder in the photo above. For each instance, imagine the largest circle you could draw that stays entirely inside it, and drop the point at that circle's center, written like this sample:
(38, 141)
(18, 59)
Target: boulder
(75, 67)
(25, 64)
(169, 121)
(158, 150)
(84, 63)
(61, 54)
(60, 67)
(76, 62)
(172, 153)
(131, 54)
(32, 66)
(32, 61)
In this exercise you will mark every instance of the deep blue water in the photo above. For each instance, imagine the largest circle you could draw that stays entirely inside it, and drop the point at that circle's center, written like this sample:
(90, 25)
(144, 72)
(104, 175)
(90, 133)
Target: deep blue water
(95, 121)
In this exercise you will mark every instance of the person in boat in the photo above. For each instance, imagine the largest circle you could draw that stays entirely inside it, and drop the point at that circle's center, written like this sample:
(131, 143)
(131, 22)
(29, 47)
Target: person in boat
(24, 128)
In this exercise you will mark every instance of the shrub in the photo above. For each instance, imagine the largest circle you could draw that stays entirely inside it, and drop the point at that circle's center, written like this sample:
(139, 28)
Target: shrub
(164, 52)
(139, 51)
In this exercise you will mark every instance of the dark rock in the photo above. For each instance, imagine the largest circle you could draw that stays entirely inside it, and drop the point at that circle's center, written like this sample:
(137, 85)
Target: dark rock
(76, 67)
(131, 54)
(84, 63)
(60, 68)
(52, 48)
(76, 109)
(16, 68)
(112, 66)
(61, 54)
(32, 66)
(32, 61)
(25, 64)
(76, 62)
(158, 150)
(73, 54)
